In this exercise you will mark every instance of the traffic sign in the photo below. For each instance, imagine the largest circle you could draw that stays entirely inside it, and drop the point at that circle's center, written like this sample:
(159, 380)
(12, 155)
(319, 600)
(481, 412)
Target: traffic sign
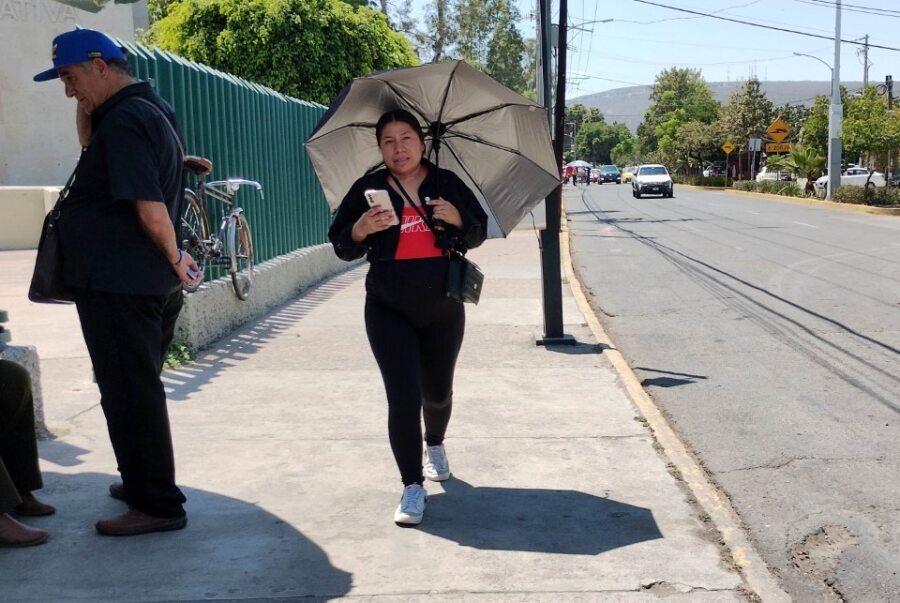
(779, 147)
(728, 147)
(779, 130)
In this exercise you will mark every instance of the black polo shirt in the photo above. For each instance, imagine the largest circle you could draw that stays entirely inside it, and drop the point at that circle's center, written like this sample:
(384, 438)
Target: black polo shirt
(132, 156)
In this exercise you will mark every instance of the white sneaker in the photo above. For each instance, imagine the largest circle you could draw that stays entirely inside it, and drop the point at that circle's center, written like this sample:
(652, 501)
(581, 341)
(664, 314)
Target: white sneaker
(437, 467)
(412, 506)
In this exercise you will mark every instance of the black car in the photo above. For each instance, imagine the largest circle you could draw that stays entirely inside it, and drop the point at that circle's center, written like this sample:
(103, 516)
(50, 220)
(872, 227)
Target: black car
(609, 173)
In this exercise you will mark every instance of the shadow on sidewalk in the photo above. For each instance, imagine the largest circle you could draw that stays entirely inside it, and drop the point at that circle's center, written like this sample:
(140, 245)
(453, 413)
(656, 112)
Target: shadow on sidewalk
(535, 520)
(230, 549)
(249, 339)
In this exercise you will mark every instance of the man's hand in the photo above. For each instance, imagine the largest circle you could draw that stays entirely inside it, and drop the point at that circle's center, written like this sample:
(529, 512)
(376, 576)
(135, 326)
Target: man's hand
(82, 125)
(188, 270)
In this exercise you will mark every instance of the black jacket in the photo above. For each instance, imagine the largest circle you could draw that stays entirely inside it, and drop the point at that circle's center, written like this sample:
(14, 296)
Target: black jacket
(382, 245)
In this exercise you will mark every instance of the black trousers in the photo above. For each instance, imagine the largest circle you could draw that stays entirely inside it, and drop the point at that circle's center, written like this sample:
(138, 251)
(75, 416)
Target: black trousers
(19, 471)
(127, 337)
(415, 332)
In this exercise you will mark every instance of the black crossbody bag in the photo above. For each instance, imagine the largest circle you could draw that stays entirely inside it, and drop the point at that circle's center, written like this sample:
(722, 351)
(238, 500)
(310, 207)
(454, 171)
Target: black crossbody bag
(464, 277)
(47, 286)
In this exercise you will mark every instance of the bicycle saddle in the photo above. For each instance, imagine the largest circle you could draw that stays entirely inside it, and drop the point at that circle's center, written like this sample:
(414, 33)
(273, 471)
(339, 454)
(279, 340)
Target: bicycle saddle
(198, 165)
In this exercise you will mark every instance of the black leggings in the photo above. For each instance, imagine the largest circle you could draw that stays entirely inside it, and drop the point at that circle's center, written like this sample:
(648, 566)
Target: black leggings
(415, 332)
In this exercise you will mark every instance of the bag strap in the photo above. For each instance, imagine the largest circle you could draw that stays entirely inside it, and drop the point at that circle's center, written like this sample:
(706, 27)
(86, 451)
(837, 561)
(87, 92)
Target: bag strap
(415, 206)
(165, 119)
(452, 249)
(64, 192)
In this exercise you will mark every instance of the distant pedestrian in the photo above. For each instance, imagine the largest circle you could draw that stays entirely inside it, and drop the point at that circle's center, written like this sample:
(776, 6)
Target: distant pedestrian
(123, 262)
(19, 471)
(415, 330)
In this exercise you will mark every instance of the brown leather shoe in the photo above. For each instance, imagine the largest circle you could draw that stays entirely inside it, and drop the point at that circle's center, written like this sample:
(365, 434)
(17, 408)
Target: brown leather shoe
(32, 507)
(117, 490)
(15, 534)
(137, 522)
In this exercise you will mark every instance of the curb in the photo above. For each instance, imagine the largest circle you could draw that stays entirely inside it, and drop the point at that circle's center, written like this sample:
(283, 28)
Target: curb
(754, 571)
(849, 207)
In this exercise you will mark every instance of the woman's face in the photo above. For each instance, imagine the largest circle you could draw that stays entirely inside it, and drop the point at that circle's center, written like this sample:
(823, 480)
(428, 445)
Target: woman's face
(401, 148)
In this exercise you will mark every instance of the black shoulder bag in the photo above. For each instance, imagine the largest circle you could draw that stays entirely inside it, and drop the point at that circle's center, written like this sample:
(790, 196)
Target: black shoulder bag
(464, 277)
(47, 286)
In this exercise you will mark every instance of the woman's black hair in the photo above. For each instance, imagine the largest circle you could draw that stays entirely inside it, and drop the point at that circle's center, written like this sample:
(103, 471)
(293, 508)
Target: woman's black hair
(398, 115)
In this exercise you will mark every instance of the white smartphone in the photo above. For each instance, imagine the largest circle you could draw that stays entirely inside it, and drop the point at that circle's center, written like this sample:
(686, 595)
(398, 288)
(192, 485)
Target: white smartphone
(382, 199)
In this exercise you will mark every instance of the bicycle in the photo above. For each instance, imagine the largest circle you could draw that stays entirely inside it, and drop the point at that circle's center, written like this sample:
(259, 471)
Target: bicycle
(232, 245)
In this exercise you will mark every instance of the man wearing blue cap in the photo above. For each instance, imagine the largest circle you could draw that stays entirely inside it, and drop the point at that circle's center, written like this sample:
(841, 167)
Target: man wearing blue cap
(122, 260)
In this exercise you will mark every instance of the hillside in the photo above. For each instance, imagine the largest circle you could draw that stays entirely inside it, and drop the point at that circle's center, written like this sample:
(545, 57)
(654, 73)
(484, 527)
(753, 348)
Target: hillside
(628, 105)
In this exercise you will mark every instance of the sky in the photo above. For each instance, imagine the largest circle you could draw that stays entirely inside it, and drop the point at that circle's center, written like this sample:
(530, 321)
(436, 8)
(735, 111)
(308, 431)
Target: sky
(643, 39)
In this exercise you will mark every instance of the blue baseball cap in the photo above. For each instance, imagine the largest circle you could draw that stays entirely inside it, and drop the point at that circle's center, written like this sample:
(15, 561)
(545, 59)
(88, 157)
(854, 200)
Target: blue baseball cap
(79, 46)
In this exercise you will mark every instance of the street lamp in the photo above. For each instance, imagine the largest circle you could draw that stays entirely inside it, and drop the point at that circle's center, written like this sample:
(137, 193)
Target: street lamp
(835, 114)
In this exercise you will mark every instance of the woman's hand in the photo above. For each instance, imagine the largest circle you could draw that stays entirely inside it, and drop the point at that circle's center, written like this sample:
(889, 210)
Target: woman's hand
(446, 212)
(374, 220)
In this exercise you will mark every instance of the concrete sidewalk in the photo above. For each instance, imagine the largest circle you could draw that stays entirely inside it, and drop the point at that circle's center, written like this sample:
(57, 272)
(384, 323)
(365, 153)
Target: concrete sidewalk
(558, 492)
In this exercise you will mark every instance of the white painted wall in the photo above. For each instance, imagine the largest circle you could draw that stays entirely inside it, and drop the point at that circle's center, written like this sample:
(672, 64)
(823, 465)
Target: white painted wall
(38, 146)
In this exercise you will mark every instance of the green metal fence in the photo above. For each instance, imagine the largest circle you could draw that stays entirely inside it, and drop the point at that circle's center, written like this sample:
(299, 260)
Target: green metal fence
(247, 131)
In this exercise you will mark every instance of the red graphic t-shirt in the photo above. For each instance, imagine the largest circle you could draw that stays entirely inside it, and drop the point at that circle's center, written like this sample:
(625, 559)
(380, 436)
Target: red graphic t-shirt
(416, 239)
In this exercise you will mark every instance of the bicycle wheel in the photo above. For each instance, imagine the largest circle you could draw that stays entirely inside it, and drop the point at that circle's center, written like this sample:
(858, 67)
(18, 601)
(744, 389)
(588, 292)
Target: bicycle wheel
(240, 252)
(194, 233)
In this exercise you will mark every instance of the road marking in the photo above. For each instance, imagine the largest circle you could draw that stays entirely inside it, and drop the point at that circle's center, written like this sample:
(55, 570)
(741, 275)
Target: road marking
(805, 224)
(755, 213)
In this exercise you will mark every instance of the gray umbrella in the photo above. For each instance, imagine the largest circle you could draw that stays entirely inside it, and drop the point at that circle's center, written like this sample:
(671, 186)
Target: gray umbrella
(496, 140)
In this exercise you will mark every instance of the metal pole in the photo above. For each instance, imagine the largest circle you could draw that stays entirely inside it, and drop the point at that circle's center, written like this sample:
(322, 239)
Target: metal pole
(866, 62)
(836, 111)
(551, 279)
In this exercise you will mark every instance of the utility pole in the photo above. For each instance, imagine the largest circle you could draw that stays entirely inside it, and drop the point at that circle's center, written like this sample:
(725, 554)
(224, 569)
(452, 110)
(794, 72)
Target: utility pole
(549, 237)
(836, 111)
(866, 62)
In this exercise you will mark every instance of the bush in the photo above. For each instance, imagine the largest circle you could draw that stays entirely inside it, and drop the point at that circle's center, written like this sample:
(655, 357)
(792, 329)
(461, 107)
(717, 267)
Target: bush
(773, 187)
(857, 195)
(699, 180)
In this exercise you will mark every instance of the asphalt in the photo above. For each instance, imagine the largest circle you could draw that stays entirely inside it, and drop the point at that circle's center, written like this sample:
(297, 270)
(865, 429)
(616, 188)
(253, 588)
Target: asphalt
(559, 492)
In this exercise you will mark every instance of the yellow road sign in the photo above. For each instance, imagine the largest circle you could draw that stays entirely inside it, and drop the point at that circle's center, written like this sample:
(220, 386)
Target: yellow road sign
(728, 147)
(779, 147)
(779, 130)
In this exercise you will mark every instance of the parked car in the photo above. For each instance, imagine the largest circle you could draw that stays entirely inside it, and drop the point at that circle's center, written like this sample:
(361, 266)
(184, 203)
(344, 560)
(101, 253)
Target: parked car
(609, 173)
(766, 174)
(653, 179)
(854, 176)
(628, 173)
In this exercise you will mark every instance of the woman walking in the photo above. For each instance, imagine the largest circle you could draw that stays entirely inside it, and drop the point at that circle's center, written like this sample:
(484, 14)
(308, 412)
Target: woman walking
(415, 330)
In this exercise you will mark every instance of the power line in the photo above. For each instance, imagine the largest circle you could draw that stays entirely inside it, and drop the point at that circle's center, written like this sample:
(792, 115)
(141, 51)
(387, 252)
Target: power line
(752, 24)
(856, 8)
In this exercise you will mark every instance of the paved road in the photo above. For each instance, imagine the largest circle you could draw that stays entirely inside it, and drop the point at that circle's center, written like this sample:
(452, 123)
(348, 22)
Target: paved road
(770, 334)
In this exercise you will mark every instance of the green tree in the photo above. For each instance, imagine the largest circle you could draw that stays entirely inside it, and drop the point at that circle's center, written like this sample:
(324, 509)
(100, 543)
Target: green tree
(506, 50)
(814, 133)
(475, 23)
(675, 89)
(308, 49)
(748, 113)
(870, 131)
(597, 139)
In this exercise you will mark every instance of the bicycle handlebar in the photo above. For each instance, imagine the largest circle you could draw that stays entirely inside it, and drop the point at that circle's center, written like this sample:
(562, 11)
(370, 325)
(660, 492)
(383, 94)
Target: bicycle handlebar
(230, 187)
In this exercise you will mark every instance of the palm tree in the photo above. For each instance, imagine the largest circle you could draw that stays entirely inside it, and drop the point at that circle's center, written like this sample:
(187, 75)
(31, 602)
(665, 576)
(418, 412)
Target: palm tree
(806, 161)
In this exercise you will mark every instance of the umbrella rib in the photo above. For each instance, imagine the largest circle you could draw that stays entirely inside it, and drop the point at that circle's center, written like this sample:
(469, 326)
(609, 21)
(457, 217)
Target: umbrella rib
(486, 111)
(509, 150)
(475, 184)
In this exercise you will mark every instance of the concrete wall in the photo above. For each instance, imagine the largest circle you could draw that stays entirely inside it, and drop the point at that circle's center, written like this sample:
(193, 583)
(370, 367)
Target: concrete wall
(214, 311)
(23, 210)
(37, 122)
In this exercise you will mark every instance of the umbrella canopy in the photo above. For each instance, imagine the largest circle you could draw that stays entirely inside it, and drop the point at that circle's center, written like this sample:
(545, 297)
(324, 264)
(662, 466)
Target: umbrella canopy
(578, 163)
(496, 140)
